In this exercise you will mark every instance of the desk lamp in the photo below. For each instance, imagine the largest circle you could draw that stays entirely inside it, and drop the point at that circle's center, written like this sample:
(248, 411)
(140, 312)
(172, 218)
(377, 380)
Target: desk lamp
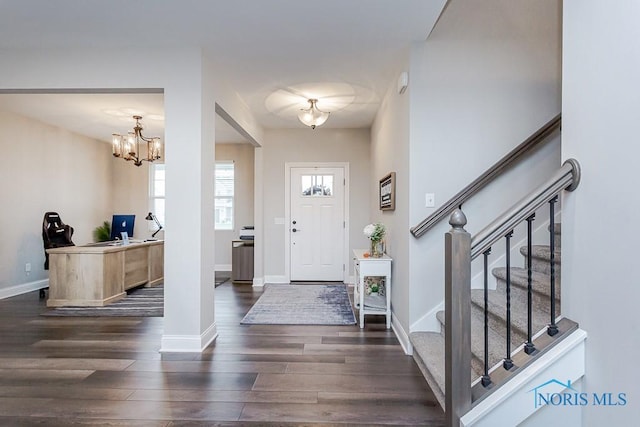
(152, 217)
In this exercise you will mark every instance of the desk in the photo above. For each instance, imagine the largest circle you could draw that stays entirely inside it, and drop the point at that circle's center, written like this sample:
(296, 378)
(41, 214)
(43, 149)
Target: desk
(371, 267)
(98, 274)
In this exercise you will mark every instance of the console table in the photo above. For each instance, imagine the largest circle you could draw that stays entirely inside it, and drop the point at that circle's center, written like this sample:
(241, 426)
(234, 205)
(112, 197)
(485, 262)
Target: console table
(372, 267)
(98, 274)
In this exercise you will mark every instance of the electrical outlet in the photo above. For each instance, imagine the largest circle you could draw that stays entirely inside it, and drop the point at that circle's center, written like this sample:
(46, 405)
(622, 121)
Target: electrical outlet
(27, 267)
(430, 200)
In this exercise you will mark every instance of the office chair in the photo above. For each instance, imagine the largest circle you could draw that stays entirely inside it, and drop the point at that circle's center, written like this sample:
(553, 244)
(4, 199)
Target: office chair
(55, 234)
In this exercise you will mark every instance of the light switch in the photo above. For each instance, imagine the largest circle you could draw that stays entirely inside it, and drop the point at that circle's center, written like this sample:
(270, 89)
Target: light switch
(430, 200)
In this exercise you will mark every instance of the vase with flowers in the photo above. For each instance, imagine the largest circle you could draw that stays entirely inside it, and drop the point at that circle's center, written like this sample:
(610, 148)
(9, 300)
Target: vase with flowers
(375, 233)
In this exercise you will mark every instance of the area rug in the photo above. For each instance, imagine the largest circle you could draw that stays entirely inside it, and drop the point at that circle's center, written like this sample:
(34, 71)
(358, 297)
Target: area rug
(302, 305)
(139, 302)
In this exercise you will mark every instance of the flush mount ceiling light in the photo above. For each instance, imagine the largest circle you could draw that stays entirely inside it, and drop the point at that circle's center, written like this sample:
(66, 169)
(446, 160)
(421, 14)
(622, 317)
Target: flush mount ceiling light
(128, 146)
(312, 116)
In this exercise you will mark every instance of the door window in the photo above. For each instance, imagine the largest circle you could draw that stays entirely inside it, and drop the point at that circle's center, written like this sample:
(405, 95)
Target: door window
(317, 185)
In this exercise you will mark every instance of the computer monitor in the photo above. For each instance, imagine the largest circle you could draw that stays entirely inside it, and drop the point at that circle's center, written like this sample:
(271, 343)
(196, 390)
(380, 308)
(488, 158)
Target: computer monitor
(120, 223)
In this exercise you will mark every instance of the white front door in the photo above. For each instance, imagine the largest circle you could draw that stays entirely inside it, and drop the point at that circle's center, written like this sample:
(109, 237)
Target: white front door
(317, 224)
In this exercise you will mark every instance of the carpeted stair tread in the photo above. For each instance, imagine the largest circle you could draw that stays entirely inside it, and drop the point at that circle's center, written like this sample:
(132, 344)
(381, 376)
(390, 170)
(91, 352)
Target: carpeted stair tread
(497, 314)
(539, 281)
(428, 353)
(541, 259)
(497, 345)
(542, 252)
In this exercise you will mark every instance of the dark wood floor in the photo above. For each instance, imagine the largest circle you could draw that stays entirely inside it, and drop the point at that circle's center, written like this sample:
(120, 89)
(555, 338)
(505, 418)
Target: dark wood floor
(107, 371)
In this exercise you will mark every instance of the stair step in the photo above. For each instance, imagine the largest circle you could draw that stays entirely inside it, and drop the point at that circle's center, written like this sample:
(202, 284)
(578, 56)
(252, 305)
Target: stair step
(541, 259)
(497, 344)
(540, 282)
(497, 313)
(428, 353)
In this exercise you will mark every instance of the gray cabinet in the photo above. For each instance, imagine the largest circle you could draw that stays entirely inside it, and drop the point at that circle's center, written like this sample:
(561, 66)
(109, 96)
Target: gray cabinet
(242, 261)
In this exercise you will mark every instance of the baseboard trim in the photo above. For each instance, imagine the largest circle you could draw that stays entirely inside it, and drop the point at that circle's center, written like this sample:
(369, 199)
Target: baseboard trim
(276, 279)
(223, 267)
(258, 282)
(429, 322)
(189, 343)
(402, 335)
(23, 288)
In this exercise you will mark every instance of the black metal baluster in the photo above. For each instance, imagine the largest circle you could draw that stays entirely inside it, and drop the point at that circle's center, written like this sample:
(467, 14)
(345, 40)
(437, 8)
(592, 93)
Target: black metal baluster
(529, 348)
(552, 329)
(486, 379)
(508, 363)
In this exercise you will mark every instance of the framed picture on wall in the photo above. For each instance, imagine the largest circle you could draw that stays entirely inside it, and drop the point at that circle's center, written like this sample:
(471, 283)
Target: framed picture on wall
(388, 192)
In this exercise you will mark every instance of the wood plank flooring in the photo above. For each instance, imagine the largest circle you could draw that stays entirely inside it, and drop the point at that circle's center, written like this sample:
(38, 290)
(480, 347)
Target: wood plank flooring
(57, 371)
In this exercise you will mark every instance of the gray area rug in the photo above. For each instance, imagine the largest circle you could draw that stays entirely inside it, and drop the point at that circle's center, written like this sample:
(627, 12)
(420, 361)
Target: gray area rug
(140, 302)
(302, 305)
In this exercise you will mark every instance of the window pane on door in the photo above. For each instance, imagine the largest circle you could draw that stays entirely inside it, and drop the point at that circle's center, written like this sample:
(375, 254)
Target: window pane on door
(317, 185)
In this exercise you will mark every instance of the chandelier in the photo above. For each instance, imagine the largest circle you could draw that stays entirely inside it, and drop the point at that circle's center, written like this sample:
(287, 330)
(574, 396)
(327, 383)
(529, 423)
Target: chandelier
(128, 147)
(311, 116)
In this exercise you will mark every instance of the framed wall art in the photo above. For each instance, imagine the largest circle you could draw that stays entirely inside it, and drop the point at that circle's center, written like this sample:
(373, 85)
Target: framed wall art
(388, 192)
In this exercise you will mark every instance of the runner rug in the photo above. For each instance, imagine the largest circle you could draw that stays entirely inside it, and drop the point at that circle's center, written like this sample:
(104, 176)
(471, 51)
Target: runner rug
(142, 302)
(302, 305)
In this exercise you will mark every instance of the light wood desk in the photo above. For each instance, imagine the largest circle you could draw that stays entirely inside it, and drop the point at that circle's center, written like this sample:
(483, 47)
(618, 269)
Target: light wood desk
(98, 274)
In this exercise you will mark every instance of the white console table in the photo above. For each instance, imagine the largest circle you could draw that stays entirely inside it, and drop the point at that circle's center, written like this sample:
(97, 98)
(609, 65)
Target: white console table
(369, 267)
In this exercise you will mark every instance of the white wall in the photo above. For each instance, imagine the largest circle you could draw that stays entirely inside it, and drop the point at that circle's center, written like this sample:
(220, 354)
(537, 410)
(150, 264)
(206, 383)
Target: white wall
(600, 289)
(390, 153)
(39, 170)
(131, 195)
(243, 159)
(486, 78)
(307, 145)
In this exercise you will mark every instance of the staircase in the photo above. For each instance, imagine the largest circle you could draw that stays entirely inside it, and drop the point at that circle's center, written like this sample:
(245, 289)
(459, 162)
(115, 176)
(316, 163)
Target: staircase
(428, 347)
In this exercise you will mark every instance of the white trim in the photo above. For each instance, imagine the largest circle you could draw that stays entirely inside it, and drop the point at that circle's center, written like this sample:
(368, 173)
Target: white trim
(258, 282)
(511, 404)
(428, 322)
(402, 335)
(287, 212)
(223, 267)
(188, 343)
(23, 288)
(276, 279)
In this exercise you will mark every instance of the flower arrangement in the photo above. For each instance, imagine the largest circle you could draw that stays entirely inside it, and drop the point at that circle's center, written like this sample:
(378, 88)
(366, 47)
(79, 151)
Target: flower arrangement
(375, 233)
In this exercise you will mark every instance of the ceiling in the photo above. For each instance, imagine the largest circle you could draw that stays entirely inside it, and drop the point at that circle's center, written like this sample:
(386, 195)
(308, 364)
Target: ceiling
(274, 53)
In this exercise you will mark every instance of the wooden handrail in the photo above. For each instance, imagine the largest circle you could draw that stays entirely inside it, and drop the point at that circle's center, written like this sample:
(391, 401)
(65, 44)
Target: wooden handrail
(565, 178)
(488, 176)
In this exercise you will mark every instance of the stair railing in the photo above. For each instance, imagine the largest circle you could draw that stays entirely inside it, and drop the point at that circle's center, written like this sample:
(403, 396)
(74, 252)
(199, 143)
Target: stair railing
(460, 250)
(487, 177)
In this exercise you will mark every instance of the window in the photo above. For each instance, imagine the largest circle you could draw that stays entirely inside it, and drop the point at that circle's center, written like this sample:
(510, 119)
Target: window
(224, 192)
(317, 185)
(156, 193)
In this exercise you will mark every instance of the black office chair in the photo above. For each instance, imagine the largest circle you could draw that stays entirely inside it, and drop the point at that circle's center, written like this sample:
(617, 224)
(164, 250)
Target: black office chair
(55, 234)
